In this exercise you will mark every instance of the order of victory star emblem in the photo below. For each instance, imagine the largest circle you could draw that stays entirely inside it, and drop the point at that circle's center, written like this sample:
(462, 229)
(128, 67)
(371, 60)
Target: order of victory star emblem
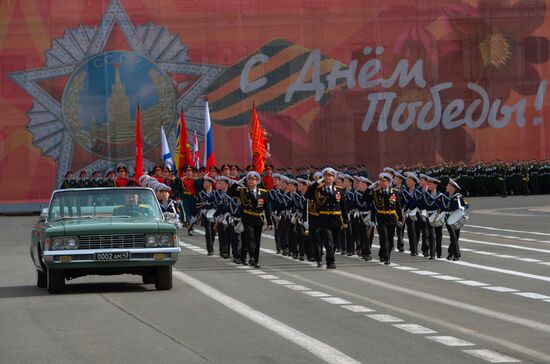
(97, 108)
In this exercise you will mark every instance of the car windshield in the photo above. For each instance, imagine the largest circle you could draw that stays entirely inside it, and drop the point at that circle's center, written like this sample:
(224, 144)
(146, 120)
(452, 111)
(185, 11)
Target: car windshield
(120, 203)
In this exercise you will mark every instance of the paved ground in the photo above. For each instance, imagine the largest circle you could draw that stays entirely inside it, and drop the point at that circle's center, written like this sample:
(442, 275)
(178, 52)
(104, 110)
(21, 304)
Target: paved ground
(492, 306)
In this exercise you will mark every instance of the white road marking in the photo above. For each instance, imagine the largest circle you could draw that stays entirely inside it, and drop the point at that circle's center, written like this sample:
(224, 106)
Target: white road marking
(448, 278)
(508, 230)
(545, 263)
(255, 271)
(482, 252)
(505, 256)
(425, 272)
(402, 267)
(512, 246)
(415, 329)
(316, 347)
(281, 281)
(504, 271)
(358, 308)
(384, 318)
(316, 294)
(491, 356)
(500, 289)
(530, 260)
(268, 276)
(245, 267)
(450, 341)
(533, 295)
(507, 237)
(336, 300)
(535, 325)
(298, 287)
(472, 283)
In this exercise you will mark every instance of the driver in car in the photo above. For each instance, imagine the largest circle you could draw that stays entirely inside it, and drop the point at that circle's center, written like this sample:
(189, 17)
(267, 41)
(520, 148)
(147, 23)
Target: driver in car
(132, 207)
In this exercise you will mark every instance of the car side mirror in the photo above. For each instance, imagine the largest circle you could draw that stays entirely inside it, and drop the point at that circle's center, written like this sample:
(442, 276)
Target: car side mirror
(43, 215)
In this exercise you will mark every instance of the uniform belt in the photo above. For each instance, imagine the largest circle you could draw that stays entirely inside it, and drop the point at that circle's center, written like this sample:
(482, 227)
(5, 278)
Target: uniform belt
(257, 214)
(384, 212)
(330, 212)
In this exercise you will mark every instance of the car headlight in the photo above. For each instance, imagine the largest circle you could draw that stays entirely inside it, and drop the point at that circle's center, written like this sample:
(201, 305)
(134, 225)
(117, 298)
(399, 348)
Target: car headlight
(58, 244)
(165, 240)
(71, 243)
(151, 241)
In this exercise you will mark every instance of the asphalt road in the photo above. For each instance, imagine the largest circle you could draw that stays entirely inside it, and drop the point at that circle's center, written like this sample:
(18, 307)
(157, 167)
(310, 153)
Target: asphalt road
(491, 306)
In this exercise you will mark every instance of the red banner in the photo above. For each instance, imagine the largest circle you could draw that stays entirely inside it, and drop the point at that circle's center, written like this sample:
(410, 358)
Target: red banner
(335, 82)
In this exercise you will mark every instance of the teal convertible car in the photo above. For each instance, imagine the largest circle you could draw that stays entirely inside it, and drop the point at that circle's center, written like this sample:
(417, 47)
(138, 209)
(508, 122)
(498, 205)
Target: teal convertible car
(104, 231)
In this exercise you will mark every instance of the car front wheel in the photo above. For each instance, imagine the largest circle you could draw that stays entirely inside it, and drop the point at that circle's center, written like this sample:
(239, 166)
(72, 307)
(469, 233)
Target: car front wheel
(41, 279)
(56, 281)
(163, 279)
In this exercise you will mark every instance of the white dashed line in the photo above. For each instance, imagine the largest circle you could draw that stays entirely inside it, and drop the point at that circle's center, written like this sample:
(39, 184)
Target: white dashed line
(448, 278)
(415, 329)
(358, 308)
(530, 260)
(425, 272)
(316, 294)
(255, 271)
(500, 289)
(491, 356)
(268, 276)
(472, 283)
(298, 287)
(281, 281)
(384, 318)
(450, 341)
(405, 268)
(536, 296)
(336, 300)
(483, 252)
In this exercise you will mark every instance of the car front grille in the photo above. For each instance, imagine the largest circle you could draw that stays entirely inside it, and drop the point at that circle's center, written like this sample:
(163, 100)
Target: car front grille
(114, 241)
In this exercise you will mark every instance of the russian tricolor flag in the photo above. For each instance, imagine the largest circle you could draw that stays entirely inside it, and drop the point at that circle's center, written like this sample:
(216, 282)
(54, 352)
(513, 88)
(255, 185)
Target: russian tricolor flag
(209, 160)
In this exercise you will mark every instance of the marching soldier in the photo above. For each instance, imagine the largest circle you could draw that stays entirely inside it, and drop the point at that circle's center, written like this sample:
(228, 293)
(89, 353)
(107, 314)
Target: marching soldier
(433, 202)
(206, 201)
(256, 213)
(364, 225)
(333, 216)
(225, 207)
(423, 213)
(398, 180)
(453, 202)
(350, 201)
(411, 214)
(386, 211)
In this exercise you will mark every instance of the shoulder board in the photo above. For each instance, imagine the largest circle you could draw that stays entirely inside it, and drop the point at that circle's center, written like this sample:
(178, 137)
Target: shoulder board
(262, 190)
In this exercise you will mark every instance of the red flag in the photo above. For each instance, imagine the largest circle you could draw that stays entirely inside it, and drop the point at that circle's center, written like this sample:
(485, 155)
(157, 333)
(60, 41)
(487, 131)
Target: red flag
(183, 149)
(259, 150)
(139, 149)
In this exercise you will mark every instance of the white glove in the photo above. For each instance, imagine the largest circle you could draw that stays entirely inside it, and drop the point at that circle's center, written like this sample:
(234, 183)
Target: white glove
(305, 224)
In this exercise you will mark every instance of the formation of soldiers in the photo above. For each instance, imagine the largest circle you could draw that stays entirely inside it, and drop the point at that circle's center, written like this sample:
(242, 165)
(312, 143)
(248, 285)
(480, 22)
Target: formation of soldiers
(314, 214)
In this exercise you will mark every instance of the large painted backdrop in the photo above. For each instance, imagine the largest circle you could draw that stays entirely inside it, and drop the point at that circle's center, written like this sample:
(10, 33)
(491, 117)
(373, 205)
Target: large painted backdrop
(334, 81)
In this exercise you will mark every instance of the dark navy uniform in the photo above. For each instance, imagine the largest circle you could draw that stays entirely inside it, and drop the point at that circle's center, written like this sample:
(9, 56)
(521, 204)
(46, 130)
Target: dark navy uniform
(256, 213)
(207, 201)
(332, 215)
(386, 211)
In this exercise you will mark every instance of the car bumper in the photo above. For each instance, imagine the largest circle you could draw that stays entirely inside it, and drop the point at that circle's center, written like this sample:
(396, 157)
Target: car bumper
(142, 257)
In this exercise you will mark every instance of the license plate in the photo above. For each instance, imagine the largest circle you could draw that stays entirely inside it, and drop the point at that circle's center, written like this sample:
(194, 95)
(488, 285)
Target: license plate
(112, 256)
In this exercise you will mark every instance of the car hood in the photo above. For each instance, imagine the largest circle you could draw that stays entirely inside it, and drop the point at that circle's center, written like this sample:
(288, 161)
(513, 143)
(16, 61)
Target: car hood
(107, 226)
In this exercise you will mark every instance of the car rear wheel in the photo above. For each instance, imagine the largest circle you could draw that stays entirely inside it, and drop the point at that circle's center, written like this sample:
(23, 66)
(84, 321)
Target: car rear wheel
(163, 279)
(56, 281)
(41, 279)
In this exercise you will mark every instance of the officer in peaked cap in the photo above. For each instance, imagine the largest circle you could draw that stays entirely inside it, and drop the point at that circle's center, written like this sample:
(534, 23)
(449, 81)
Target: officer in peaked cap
(256, 213)
(386, 211)
(333, 215)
